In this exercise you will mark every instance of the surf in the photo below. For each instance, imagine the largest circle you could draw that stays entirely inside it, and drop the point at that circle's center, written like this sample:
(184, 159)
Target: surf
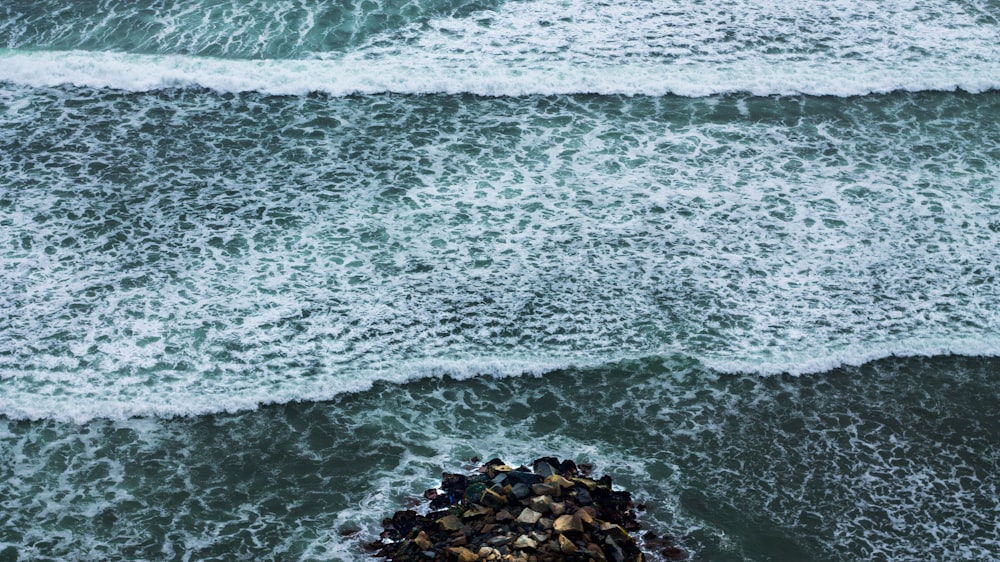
(355, 74)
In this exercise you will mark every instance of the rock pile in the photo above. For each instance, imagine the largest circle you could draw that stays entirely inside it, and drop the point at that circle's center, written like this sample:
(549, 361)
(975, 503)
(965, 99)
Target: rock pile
(549, 512)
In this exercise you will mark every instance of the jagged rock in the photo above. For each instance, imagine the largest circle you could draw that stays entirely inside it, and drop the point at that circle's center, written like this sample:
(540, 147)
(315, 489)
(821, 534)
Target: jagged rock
(543, 467)
(492, 499)
(450, 523)
(568, 524)
(559, 481)
(566, 546)
(498, 541)
(546, 489)
(422, 541)
(462, 554)
(520, 490)
(582, 496)
(524, 541)
(541, 504)
(528, 516)
(476, 511)
(473, 519)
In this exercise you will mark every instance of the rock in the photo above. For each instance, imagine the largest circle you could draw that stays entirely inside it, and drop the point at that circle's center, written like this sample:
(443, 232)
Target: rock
(541, 504)
(543, 468)
(559, 481)
(546, 489)
(582, 496)
(523, 542)
(520, 490)
(595, 552)
(498, 541)
(476, 511)
(462, 554)
(528, 516)
(520, 477)
(566, 546)
(422, 541)
(560, 516)
(567, 524)
(492, 499)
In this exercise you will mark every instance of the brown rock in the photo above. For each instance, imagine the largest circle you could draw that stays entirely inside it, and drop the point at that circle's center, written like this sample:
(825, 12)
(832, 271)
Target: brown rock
(566, 546)
(450, 523)
(568, 524)
(545, 523)
(557, 508)
(504, 515)
(461, 554)
(559, 481)
(596, 553)
(422, 541)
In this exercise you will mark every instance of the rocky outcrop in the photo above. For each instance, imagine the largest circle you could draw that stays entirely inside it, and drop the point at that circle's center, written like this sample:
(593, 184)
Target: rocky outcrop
(551, 511)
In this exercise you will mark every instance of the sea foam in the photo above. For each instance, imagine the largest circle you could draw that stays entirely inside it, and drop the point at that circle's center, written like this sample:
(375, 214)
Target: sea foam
(407, 74)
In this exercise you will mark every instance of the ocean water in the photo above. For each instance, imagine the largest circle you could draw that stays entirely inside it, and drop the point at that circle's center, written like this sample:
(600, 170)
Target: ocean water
(267, 268)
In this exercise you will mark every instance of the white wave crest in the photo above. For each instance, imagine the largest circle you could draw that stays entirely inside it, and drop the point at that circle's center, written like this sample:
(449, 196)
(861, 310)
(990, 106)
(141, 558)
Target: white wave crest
(354, 74)
(165, 402)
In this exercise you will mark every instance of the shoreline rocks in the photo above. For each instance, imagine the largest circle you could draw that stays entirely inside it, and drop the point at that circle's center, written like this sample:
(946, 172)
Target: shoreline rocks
(550, 512)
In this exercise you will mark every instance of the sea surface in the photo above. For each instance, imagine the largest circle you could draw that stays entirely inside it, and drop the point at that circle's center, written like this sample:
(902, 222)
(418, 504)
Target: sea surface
(268, 267)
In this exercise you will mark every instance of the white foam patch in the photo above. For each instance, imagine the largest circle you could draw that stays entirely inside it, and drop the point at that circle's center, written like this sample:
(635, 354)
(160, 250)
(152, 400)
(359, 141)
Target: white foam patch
(690, 48)
(278, 249)
(414, 74)
(804, 362)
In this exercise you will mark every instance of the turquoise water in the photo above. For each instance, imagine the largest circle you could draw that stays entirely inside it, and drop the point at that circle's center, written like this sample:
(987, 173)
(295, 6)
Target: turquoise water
(268, 268)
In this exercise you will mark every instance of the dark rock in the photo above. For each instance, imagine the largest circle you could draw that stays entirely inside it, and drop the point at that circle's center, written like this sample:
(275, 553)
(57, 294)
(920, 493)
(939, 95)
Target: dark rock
(520, 490)
(582, 496)
(492, 499)
(474, 519)
(545, 466)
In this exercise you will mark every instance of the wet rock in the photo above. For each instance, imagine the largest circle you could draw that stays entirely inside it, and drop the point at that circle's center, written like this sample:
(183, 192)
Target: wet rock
(561, 514)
